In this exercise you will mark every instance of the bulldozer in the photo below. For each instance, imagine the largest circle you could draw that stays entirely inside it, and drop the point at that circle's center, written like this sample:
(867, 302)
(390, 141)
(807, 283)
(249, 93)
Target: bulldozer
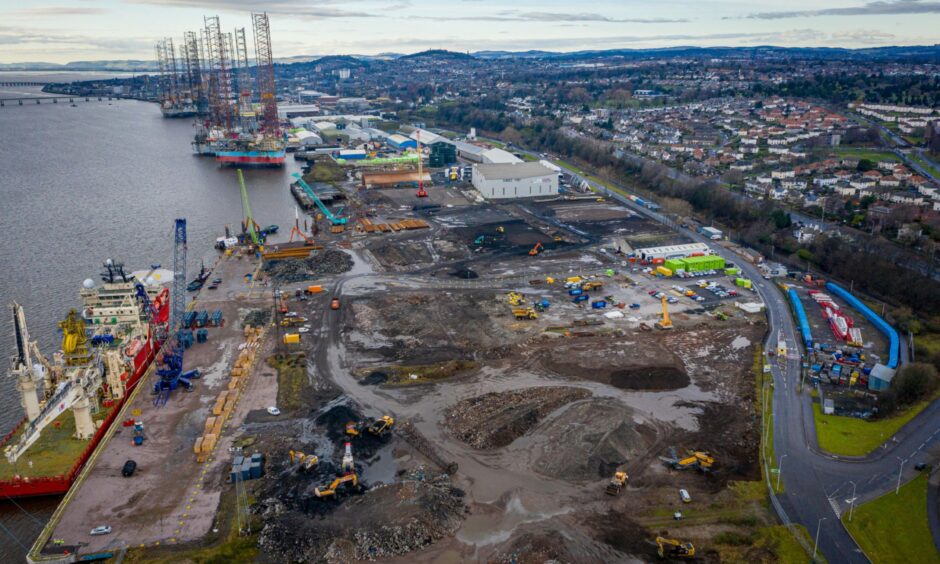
(674, 548)
(382, 425)
(617, 482)
(699, 460)
(525, 313)
(327, 490)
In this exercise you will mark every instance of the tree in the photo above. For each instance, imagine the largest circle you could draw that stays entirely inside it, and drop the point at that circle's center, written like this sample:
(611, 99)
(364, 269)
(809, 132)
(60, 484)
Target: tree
(781, 218)
(914, 382)
(864, 165)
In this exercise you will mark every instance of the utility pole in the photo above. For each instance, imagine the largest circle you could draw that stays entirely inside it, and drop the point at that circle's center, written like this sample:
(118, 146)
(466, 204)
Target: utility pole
(780, 470)
(897, 490)
(852, 509)
(816, 544)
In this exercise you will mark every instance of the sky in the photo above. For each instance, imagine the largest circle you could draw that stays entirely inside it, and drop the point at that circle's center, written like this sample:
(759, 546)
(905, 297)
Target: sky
(61, 31)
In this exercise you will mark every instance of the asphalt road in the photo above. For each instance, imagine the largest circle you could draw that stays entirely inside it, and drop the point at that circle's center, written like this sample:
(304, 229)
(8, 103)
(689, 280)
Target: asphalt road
(819, 486)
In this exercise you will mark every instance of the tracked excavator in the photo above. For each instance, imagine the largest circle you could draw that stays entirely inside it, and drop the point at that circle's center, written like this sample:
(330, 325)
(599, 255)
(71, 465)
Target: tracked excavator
(382, 425)
(694, 459)
(665, 322)
(674, 548)
(328, 490)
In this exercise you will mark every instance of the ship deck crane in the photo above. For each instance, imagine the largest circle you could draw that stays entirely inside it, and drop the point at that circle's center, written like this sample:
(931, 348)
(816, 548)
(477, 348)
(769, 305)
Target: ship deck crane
(334, 219)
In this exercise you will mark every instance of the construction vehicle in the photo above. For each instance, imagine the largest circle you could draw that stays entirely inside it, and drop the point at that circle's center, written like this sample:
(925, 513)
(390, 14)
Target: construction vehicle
(348, 462)
(580, 298)
(674, 548)
(536, 249)
(549, 280)
(616, 484)
(594, 285)
(353, 429)
(694, 459)
(500, 229)
(525, 313)
(382, 425)
(665, 322)
(327, 490)
(305, 461)
(541, 305)
(721, 316)
(516, 299)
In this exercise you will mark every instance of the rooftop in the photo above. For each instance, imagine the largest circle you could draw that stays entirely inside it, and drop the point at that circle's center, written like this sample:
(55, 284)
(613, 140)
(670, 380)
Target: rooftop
(506, 171)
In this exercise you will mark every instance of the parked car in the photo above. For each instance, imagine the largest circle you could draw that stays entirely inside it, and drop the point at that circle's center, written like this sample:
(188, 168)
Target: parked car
(334, 304)
(920, 466)
(684, 496)
(101, 530)
(303, 330)
(274, 411)
(129, 468)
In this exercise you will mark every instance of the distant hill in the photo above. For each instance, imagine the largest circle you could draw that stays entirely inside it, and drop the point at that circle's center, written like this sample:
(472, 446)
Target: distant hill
(437, 54)
(916, 53)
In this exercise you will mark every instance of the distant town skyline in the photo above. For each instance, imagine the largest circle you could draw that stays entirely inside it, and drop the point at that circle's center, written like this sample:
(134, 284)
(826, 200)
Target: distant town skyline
(61, 31)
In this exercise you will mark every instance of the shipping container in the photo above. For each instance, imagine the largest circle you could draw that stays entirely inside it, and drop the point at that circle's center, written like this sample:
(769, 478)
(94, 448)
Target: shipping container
(291, 338)
(664, 271)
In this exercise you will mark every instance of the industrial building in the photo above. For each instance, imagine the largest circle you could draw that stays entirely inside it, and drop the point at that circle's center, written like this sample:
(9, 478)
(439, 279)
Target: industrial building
(443, 153)
(514, 180)
(400, 142)
(672, 251)
(499, 156)
(469, 151)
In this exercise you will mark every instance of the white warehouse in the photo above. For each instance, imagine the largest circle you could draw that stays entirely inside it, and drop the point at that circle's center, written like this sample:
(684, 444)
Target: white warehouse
(514, 180)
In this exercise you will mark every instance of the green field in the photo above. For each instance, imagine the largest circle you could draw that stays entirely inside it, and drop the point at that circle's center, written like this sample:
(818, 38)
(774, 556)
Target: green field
(893, 528)
(931, 167)
(291, 379)
(869, 154)
(850, 436)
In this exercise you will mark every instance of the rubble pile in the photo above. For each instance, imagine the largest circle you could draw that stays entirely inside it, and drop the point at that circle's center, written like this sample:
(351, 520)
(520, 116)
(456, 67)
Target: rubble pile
(388, 520)
(317, 265)
(496, 419)
(256, 318)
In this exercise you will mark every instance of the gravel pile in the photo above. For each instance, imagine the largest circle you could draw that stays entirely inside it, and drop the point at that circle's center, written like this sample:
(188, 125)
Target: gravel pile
(496, 419)
(298, 270)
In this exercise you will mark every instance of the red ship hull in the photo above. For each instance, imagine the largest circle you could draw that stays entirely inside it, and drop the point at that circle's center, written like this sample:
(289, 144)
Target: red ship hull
(58, 485)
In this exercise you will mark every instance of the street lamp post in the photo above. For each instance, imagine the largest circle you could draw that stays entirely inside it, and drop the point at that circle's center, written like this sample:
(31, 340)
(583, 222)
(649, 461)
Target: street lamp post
(897, 490)
(816, 544)
(852, 508)
(780, 470)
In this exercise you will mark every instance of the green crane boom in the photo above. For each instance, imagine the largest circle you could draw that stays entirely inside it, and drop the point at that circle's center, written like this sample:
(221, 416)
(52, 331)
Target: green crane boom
(246, 209)
(334, 219)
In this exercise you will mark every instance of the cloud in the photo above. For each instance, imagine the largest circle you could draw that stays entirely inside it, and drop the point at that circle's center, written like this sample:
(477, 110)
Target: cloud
(18, 36)
(323, 9)
(879, 8)
(60, 11)
(515, 16)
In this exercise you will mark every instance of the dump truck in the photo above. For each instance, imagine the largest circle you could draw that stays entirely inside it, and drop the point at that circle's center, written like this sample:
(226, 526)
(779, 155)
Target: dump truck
(594, 285)
(525, 313)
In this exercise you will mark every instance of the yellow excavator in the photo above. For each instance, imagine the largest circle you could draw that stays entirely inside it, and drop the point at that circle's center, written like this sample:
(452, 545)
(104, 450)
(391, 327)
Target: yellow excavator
(306, 461)
(516, 299)
(381, 426)
(674, 548)
(327, 490)
(594, 285)
(616, 484)
(665, 322)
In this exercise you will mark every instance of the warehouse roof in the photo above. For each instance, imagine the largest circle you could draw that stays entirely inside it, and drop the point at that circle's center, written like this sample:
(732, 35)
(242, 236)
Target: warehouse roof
(513, 171)
(499, 156)
(469, 148)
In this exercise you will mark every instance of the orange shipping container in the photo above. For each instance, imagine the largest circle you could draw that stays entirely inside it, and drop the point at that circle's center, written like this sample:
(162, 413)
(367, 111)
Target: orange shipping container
(210, 422)
(197, 448)
(233, 383)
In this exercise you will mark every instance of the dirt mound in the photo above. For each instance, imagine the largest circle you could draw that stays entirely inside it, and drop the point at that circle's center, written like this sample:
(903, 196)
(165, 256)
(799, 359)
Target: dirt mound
(256, 317)
(619, 531)
(624, 364)
(386, 521)
(311, 268)
(589, 441)
(649, 378)
(465, 273)
(496, 419)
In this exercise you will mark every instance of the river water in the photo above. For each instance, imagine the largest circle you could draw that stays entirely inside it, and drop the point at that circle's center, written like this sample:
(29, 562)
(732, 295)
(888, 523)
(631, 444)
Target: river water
(82, 184)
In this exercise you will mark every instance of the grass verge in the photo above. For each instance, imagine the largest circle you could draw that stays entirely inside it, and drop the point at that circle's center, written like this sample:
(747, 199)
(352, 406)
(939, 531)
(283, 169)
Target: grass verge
(893, 528)
(850, 436)
(291, 378)
(869, 154)
(931, 168)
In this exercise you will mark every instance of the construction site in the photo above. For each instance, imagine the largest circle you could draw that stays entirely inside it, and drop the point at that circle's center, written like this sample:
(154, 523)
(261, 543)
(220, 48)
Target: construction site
(436, 377)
